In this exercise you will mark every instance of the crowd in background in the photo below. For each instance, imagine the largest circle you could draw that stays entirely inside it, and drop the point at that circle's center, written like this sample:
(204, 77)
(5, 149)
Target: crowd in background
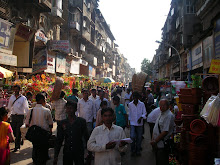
(94, 120)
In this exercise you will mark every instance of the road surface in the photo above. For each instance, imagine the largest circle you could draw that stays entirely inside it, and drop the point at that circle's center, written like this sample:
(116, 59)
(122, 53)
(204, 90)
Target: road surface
(23, 157)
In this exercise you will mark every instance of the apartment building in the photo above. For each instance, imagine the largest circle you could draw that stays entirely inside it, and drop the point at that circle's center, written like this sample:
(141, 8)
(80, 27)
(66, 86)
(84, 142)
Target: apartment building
(191, 28)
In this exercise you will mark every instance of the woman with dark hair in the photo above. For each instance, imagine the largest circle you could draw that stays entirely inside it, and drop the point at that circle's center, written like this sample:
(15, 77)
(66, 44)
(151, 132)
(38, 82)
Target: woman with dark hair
(6, 136)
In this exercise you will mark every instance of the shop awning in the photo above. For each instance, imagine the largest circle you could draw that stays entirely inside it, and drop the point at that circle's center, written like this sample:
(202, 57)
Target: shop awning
(5, 73)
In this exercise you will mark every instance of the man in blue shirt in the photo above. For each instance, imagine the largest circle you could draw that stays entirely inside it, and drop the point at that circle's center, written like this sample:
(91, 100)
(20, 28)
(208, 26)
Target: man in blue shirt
(121, 114)
(74, 96)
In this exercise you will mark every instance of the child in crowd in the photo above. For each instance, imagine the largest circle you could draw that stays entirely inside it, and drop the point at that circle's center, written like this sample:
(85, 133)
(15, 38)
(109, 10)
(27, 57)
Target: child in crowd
(103, 105)
(6, 136)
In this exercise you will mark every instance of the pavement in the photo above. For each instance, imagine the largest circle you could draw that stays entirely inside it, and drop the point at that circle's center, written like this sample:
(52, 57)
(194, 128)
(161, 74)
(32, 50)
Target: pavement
(23, 157)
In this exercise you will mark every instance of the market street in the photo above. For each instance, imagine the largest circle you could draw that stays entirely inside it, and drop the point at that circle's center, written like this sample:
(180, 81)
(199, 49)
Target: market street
(24, 155)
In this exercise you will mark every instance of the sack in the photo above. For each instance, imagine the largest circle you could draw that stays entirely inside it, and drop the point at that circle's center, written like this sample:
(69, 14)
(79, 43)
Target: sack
(36, 134)
(23, 130)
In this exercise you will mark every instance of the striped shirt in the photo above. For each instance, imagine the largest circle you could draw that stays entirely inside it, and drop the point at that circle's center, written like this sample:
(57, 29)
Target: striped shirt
(41, 117)
(59, 106)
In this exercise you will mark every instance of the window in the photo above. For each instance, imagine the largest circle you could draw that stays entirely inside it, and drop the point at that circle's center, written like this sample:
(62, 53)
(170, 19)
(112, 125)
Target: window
(190, 9)
(177, 22)
(172, 12)
(198, 50)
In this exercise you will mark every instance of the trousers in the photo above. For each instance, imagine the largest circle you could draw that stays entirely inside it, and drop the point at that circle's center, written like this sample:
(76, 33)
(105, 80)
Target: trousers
(69, 158)
(16, 122)
(136, 136)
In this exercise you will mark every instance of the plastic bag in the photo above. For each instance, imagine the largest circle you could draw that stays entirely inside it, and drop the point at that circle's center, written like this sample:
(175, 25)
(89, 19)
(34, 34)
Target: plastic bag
(205, 111)
(213, 116)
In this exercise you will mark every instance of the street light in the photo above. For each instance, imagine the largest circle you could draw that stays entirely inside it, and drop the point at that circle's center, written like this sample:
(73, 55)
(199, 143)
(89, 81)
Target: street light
(176, 52)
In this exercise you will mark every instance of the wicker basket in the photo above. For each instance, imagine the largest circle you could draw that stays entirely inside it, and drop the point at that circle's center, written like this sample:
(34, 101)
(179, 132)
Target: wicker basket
(138, 81)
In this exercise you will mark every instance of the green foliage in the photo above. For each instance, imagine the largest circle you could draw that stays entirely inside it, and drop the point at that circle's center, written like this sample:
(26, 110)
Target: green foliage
(197, 81)
(146, 66)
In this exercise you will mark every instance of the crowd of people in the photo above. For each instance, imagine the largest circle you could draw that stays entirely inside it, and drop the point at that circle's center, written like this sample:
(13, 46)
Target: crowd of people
(93, 121)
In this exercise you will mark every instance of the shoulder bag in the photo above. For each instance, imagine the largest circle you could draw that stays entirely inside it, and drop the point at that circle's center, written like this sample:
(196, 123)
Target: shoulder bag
(167, 143)
(36, 134)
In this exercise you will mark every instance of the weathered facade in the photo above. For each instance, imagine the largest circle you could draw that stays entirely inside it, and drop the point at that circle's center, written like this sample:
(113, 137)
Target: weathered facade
(190, 28)
(57, 37)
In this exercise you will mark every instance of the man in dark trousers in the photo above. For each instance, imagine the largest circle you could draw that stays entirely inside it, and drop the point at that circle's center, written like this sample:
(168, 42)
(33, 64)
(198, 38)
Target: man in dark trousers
(18, 107)
(73, 130)
(41, 117)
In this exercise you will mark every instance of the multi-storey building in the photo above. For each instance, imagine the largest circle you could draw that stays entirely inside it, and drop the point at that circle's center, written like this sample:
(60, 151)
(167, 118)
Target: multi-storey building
(57, 37)
(192, 29)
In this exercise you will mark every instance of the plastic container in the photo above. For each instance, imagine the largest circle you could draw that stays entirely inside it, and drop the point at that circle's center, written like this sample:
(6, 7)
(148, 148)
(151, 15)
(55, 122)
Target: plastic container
(190, 109)
(189, 99)
(198, 126)
(187, 119)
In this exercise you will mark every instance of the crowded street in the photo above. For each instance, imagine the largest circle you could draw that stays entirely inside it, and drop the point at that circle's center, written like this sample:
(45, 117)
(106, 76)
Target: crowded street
(109, 82)
(24, 156)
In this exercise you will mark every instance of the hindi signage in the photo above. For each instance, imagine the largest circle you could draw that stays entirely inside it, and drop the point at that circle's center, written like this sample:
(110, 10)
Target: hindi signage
(60, 64)
(215, 67)
(50, 64)
(60, 45)
(7, 59)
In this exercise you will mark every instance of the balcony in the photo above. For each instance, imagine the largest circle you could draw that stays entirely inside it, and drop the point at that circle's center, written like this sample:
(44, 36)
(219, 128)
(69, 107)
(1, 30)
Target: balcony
(43, 5)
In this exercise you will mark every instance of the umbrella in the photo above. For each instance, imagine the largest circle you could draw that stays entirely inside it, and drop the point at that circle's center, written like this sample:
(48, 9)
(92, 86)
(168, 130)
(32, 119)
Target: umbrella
(5, 73)
(106, 80)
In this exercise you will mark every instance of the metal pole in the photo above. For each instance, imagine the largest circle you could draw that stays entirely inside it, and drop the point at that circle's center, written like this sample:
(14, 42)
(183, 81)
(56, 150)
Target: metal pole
(177, 53)
(179, 59)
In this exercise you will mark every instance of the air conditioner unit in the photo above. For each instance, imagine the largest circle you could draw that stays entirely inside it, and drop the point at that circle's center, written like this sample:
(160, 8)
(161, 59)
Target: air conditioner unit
(89, 5)
(84, 24)
(57, 12)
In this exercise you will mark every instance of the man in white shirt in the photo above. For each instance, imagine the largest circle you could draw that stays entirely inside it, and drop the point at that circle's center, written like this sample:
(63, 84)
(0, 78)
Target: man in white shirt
(162, 131)
(41, 116)
(93, 95)
(152, 117)
(100, 99)
(59, 106)
(18, 107)
(137, 112)
(104, 138)
(86, 110)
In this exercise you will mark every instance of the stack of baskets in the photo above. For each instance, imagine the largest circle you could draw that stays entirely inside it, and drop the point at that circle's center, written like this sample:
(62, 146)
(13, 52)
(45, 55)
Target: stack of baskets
(138, 81)
(190, 99)
(198, 144)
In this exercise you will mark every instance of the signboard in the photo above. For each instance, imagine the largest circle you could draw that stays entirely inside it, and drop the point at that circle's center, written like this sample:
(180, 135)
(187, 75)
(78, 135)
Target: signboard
(7, 59)
(197, 60)
(50, 64)
(91, 71)
(74, 69)
(68, 65)
(40, 61)
(60, 64)
(217, 38)
(24, 32)
(5, 33)
(41, 36)
(61, 45)
(215, 67)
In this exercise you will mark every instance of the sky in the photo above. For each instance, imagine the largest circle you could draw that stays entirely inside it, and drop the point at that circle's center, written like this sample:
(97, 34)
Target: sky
(136, 25)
